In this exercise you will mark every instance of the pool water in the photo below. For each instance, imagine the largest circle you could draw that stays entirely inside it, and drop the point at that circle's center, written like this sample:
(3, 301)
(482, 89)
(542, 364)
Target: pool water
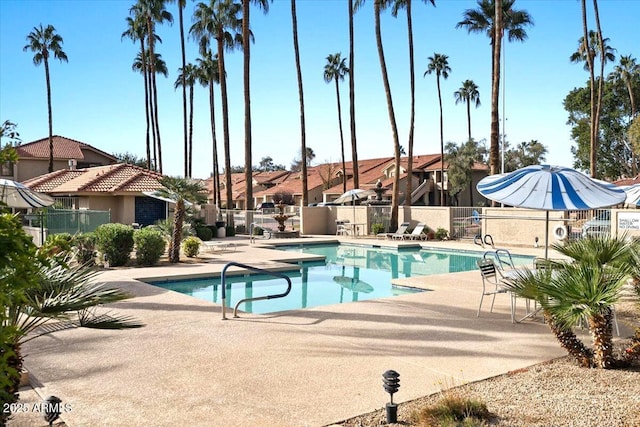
(349, 273)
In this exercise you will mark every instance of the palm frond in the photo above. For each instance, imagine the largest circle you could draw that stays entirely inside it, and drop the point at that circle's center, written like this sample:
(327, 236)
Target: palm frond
(89, 319)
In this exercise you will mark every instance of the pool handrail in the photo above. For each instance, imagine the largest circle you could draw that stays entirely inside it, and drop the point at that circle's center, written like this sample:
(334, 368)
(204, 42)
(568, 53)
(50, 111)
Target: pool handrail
(255, 270)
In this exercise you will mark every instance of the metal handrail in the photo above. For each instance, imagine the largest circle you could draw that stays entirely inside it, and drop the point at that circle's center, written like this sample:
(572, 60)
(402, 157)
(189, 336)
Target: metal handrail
(255, 270)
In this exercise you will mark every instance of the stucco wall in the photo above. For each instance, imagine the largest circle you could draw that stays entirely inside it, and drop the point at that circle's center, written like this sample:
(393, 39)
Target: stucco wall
(434, 216)
(520, 226)
(315, 220)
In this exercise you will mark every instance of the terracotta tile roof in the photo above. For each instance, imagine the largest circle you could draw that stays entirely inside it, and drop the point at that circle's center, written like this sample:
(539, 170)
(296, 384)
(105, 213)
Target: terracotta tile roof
(48, 182)
(628, 181)
(102, 179)
(63, 148)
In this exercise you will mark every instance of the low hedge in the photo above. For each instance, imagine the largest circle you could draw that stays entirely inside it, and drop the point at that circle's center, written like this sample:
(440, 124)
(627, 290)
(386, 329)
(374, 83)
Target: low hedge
(115, 241)
(150, 245)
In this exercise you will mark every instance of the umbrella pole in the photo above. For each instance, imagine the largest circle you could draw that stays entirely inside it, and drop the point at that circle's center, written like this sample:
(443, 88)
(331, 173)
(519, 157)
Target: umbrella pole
(546, 236)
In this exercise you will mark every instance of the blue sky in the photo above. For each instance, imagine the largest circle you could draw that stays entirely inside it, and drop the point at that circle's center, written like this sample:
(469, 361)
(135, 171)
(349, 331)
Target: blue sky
(99, 100)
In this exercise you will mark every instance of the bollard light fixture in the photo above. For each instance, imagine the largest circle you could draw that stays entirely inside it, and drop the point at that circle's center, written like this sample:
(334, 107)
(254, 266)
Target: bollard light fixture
(391, 383)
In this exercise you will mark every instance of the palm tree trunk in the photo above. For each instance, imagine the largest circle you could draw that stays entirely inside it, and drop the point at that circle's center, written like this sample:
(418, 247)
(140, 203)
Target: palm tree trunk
(469, 118)
(601, 327)
(225, 122)
(344, 178)
(633, 115)
(190, 150)
(571, 343)
(154, 136)
(596, 132)
(178, 219)
(146, 99)
(494, 152)
(155, 112)
(187, 164)
(46, 74)
(152, 99)
(216, 173)
(303, 138)
(392, 117)
(412, 83)
(248, 167)
(441, 144)
(587, 50)
(352, 101)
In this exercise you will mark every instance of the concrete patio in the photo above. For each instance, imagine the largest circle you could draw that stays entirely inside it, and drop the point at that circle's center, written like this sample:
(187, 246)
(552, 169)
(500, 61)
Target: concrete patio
(309, 367)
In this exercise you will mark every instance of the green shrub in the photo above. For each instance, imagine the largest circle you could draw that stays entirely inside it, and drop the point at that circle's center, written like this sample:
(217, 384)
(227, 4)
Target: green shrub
(116, 242)
(258, 231)
(191, 246)
(377, 228)
(150, 245)
(442, 234)
(241, 229)
(85, 246)
(230, 230)
(56, 244)
(204, 233)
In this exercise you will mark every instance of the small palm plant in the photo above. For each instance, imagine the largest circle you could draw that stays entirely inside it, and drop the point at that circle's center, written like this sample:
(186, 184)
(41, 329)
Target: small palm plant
(584, 288)
(180, 190)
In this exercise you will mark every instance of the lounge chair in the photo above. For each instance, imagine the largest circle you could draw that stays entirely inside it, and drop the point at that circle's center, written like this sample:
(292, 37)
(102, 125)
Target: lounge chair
(398, 233)
(218, 246)
(416, 233)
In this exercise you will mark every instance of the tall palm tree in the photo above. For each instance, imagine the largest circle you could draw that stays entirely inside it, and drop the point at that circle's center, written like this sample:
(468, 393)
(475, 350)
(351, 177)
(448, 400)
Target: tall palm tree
(246, 35)
(468, 94)
(627, 71)
(147, 61)
(483, 20)
(209, 76)
(219, 20)
(180, 190)
(396, 6)
(439, 64)
(136, 31)
(153, 12)
(588, 50)
(303, 138)
(353, 6)
(593, 51)
(187, 159)
(334, 70)
(43, 42)
(188, 76)
(378, 5)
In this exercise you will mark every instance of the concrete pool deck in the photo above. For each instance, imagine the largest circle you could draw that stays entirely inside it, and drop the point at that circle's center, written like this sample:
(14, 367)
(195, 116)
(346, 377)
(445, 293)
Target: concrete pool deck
(310, 367)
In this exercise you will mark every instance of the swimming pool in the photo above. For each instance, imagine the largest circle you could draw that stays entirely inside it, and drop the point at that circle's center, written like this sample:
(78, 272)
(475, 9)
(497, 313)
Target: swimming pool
(349, 273)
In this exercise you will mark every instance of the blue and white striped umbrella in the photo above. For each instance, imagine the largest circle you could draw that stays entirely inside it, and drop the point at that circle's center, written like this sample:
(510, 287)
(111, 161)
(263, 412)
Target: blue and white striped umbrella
(17, 195)
(633, 194)
(550, 188)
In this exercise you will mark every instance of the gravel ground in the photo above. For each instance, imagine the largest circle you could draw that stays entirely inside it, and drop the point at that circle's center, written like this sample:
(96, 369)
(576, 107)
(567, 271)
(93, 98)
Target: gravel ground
(555, 393)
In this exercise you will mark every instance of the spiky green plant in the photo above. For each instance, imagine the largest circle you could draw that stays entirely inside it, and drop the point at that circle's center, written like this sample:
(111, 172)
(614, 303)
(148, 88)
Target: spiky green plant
(40, 298)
